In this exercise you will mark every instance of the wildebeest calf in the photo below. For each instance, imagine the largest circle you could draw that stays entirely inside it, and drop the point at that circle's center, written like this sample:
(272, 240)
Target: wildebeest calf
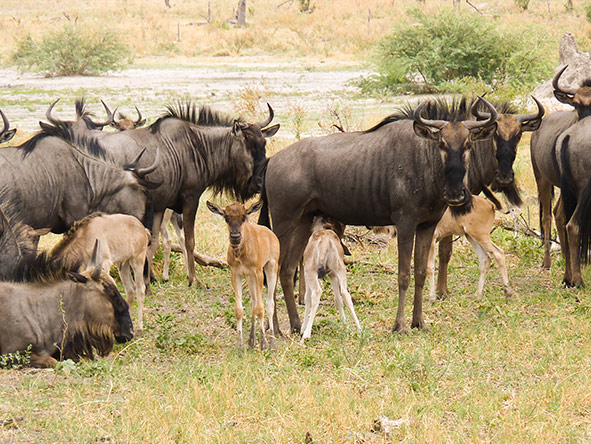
(253, 250)
(324, 255)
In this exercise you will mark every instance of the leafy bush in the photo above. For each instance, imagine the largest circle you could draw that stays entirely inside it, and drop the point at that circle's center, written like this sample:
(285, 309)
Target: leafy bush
(587, 10)
(71, 51)
(449, 51)
(522, 4)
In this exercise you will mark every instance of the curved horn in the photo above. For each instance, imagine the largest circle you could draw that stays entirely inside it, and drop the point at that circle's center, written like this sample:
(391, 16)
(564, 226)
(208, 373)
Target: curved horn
(476, 112)
(6, 123)
(570, 92)
(138, 122)
(110, 116)
(533, 116)
(48, 113)
(433, 123)
(141, 172)
(492, 117)
(269, 119)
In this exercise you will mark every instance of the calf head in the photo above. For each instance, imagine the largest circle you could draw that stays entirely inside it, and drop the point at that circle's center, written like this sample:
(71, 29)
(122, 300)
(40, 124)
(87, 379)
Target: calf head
(579, 98)
(454, 140)
(235, 216)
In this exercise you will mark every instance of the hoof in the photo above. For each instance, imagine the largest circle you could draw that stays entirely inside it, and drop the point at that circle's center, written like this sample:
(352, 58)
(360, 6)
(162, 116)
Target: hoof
(568, 283)
(400, 328)
(420, 324)
(296, 328)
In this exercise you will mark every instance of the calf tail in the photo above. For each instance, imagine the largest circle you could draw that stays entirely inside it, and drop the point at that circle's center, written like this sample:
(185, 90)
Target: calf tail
(583, 220)
(490, 196)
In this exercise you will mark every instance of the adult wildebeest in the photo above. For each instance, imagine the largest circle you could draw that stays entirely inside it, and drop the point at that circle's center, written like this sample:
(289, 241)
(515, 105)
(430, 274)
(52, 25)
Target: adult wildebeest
(62, 314)
(545, 157)
(56, 184)
(402, 172)
(491, 164)
(6, 134)
(200, 149)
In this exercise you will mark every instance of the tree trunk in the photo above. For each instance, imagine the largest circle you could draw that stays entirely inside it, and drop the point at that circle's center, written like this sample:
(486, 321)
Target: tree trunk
(241, 13)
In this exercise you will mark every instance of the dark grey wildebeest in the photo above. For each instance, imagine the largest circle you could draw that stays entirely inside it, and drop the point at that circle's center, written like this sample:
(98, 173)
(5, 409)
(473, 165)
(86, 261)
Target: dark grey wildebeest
(56, 184)
(62, 314)
(491, 161)
(199, 149)
(402, 172)
(6, 134)
(545, 157)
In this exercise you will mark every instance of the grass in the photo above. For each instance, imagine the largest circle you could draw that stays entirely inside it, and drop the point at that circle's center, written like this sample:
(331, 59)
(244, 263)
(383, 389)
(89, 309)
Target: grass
(485, 371)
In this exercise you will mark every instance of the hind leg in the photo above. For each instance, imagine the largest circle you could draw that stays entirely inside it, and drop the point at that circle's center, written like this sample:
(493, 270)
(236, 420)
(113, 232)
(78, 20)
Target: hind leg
(138, 270)
(484, 264)
(271, 269)
(563, 236)
(572, 230)
(166, 244)
(313, 293)
(339, 284)
(127, 281)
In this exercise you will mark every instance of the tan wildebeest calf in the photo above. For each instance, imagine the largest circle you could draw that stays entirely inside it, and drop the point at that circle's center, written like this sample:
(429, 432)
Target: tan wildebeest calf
(324, 255)
(476, 226)
(125, 244)
(253, 250)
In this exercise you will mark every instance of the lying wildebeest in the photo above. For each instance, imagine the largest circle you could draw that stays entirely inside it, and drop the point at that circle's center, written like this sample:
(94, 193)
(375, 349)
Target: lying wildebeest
(125, 245)
(62, 314)
(6, 134)
(56, 184)
(402, 172)
(491, 161)
(200, 149)
(253, 252)
(545, 158)
(476, 226)
(324, 255)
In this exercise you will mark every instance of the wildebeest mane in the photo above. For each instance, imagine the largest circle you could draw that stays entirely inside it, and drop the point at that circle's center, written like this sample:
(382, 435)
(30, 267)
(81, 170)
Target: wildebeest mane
(64, 131)
(190, 112)
(70, 235)
(42, 269)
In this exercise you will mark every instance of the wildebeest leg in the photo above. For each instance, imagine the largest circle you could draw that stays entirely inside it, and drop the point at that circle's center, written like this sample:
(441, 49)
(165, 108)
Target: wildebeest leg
(189, 213)
(406, 233)
(572, 234)
(153, 247)
(445, 250)
(38, 361)
(292, 247)
(560, 220)
(424, 237)
(176, 221)
(271, 269)
(166, 243)
(302, 286)
(545, 199)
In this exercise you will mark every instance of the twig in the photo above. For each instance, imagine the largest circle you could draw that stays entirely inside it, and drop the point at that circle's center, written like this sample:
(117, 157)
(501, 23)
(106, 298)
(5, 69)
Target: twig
(284, 3)
(475, 8)
(202, 259)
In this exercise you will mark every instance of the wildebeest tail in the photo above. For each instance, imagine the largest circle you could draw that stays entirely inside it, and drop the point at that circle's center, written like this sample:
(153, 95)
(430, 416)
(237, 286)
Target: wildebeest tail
(264, 218)
(567, 188)
(322, 271)
(490, 196)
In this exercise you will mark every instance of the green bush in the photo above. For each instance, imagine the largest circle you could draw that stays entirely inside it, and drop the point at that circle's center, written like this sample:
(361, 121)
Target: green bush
(522, 4)
(71, 51)
(587, 10)
(452, 51)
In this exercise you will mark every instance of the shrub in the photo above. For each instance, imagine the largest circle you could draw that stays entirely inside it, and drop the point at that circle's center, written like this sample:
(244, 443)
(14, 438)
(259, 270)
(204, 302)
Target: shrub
(449, 51)
(71, 51)
(522, 4)
(587, 10)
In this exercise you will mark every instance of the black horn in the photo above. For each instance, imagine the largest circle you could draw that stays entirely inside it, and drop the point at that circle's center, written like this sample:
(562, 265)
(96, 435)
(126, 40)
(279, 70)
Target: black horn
(533, 116)
(490, 117)
(48, 113)
(269, 119)
(432, 123)
(110, 116)
(139, 121)
(570, 92)
(142, 172)
(6, 134)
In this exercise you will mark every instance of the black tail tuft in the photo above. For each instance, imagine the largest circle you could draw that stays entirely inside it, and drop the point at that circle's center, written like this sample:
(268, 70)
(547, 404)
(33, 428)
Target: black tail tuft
(583, 220)
(490, 196)
(264, 218)
(567, 189)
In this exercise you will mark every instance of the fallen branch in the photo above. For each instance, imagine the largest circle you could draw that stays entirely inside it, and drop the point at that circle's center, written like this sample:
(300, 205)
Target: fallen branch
(203, 259)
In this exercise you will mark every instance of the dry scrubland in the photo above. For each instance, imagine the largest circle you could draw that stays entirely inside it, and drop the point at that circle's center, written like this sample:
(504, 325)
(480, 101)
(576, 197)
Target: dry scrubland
(486, 370)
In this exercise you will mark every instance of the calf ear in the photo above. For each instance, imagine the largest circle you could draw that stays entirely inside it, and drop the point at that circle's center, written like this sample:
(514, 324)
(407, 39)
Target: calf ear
(271, 131)
(255, 207)
(214, 208)
(426, 132)
(483, 133)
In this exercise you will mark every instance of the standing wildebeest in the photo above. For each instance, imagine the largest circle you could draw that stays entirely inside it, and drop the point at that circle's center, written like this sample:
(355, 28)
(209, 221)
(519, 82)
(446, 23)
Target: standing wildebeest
(62, 314)
(401, 171)
(200, 149)
(125, 245)
(491, 164)
(545, 158)
(56, 184)
(6, 134)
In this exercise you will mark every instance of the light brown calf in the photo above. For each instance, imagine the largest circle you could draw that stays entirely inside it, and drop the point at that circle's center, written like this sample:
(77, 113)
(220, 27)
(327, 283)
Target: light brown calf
(476, 226)
(253, 250)
(124, 243)
(324, 255)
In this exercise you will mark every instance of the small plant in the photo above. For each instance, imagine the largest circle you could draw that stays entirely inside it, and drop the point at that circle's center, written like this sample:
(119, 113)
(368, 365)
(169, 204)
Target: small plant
(71, 51)
(16, 360)
(522, 4)
(305, 6)
(587, 10)
(297, 114)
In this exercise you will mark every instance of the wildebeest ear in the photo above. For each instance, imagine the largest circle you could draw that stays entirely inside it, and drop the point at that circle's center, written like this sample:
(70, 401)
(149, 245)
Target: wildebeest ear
(150, 184)
(271, 131)
(531, 125)
(77, 277)
(255, 207)
(95, 266)
(236, 127)
(483, 133)
(8, 135)
(426, 132)
(214, 208)
(564, 97)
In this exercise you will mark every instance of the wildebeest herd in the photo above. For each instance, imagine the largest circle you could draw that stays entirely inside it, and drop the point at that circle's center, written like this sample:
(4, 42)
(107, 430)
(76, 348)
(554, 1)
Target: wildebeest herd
(108, 192)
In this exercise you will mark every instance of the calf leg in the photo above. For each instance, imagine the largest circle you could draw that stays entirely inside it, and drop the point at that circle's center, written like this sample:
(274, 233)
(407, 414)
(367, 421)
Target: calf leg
(166, 244)
(137, 264)
(484, 262)
(312, 301)
(238, 309)
(271, 269)
(153, 247)
(258, 311)
(339, 285)
(431, 270)
(127, 281)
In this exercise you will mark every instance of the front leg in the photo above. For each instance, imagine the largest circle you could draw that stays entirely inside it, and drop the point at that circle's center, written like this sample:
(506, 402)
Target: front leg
(445, 249)
(238, 309)
(406, 232)
(189, 212)
(424, 238)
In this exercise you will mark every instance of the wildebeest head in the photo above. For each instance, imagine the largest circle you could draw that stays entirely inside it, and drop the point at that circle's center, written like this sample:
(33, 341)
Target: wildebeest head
(125, 123)
(105, 305)
(248, 153)
(579, 98)
(83, 117)
(454, 140)
(6, 134)
(235, 216)
(510, 128)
